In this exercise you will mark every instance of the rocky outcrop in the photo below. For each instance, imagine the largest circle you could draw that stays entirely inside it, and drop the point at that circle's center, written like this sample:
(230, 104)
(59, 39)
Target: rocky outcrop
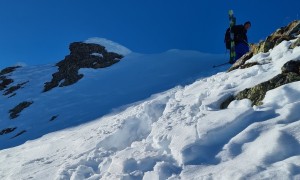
(289, 32)
(14, 113)
(8, 70)
(4, 80)
(290, 73)
(296, 43)
(7, 130)
(290, 70)
(82, 55)
(53, 118)
(257, 93)
(19, 133)
(12, 89)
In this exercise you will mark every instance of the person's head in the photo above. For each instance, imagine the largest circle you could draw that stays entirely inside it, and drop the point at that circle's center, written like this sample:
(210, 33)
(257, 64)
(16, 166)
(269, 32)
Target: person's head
(247, 25)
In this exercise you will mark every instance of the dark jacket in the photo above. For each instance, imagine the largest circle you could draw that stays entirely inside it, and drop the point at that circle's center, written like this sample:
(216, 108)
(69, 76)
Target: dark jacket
(240, 34)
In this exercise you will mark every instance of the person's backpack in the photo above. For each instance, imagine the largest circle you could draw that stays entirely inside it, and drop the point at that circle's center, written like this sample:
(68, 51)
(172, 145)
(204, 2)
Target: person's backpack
(227, 39)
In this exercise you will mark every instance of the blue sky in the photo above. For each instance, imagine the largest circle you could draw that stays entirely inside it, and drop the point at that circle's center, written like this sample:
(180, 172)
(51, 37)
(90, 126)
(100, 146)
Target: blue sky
(39, 32)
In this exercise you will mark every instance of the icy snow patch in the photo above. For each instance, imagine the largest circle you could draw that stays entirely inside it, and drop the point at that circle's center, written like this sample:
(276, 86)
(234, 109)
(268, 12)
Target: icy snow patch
(109, 45)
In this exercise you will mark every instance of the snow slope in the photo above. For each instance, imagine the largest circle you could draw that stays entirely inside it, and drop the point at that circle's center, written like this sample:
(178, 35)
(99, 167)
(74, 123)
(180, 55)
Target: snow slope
(179, 134)
(100, 91)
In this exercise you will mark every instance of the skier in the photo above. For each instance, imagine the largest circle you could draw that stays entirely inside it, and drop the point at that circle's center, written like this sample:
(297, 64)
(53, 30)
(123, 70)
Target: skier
(236, 39)
(241, 39)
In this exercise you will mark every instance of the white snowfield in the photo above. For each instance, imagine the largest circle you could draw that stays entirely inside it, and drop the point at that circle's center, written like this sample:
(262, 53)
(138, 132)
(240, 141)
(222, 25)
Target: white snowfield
(179, 134)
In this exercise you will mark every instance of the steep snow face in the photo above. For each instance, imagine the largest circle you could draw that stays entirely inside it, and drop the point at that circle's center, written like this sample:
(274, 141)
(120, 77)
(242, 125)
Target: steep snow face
(100, 91)
(179, 134)
(109, 45)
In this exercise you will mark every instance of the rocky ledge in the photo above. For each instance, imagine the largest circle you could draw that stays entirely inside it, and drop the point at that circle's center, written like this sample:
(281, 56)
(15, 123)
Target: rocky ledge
(289, 32)
(290, 71)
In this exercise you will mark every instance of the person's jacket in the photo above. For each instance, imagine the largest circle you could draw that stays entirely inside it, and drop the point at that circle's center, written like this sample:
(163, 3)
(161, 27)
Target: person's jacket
(240, 34)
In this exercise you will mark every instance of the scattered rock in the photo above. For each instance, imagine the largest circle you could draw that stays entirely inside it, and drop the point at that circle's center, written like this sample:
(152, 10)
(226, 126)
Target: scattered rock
(7, 130)
(82, 55)
(291, 66)
(12, 95)
(228, 100)
(247, 65)
(257, 93)
(296, 43)
(8, 70)
(14, 88)
(21, 132)
(290, 73)
(14, 113)
(5, 82)
(287, 33)
(241, 61)
(53, 118)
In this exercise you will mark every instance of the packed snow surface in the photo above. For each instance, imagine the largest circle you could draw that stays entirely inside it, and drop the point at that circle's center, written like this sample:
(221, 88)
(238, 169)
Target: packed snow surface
(180, 133)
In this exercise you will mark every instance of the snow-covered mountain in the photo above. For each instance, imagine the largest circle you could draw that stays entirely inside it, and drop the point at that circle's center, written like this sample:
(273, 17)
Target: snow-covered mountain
(42, 99)
(175, 117)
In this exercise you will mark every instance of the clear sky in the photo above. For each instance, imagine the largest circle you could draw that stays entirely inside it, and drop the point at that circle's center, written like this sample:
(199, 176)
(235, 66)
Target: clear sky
(39, 31)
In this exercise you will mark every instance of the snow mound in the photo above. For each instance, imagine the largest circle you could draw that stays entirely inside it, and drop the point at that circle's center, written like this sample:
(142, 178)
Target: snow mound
(109, 45)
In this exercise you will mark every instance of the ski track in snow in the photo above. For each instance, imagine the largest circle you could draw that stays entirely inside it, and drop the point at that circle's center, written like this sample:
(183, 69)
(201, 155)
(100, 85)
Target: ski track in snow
(179, 134)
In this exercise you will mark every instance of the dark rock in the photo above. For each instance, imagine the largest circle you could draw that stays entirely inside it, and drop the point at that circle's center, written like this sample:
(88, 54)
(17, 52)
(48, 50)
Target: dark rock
(244, 66)
(53, 118)
(84, 49)
(21, 132)
(296, 43)
(14, 113)
(291, 66)
(7, 130)
(12, 95)
(290, 73)
(241, 61)
(287, 33)
(82, 55)
(8, 70)
(257, 93)
(14, 88)
(228, 100)
(5, 82)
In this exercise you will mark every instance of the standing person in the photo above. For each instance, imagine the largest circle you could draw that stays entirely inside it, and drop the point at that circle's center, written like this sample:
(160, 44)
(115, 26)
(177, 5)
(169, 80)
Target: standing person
(241, 39)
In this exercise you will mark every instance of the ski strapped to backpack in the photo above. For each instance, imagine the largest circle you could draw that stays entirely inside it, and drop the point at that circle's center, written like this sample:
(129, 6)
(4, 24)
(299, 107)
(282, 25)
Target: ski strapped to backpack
(232, 21)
